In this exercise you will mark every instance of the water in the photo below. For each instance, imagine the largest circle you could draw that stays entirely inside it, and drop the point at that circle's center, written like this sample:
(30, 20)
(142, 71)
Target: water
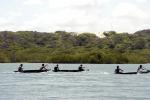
(99, 83)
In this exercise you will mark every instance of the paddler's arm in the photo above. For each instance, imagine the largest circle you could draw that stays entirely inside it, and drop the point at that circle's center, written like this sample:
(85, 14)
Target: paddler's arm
(121, 70)
(146, 69)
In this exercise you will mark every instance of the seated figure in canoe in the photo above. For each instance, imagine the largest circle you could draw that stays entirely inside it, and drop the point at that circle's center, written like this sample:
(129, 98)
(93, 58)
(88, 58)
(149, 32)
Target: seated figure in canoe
(43, 67)
(56, 68)
(118, 70)
(141, 69)
(20, 68)
(80, 68)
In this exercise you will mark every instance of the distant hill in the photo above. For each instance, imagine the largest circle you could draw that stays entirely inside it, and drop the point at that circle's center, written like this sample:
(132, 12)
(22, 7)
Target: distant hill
(143, 32)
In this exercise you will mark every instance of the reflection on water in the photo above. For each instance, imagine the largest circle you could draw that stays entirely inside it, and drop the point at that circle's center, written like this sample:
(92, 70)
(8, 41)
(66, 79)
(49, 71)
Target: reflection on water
(99, 83)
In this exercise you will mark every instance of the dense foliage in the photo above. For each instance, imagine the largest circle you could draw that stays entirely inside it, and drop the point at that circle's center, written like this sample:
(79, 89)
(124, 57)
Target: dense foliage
(69, 47)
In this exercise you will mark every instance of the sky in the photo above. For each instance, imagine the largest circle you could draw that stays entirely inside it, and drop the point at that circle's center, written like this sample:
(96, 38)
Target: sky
(74, 15)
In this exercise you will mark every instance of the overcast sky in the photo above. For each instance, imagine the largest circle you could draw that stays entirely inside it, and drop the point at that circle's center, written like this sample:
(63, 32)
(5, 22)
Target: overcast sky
(75, 15)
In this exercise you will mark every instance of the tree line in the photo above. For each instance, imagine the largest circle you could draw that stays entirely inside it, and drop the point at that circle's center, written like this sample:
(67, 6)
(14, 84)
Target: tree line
(71, 47)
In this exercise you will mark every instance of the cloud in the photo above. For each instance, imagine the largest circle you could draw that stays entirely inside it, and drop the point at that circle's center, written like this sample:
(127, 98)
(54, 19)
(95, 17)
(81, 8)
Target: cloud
(3, 20)
(141, 1)
(69, 3)
(33, 2)
(130, 17)
(128, 10)
(77, 15)
(71, 15)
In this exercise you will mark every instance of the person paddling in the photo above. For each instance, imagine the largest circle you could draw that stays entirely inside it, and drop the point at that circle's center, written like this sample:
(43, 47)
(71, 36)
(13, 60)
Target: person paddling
(20, 68)
(56, 68)
(141, 68)
(43, 67)
(80, 68)
(118, 70)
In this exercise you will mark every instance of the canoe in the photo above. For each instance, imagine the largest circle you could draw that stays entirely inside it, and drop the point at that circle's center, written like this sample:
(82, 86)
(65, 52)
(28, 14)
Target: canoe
(127, 73)
(68, 70)
(142, 72)
(32, 71)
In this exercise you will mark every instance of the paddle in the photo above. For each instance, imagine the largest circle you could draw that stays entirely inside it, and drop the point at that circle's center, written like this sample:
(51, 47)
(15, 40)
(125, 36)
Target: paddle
(16, 71)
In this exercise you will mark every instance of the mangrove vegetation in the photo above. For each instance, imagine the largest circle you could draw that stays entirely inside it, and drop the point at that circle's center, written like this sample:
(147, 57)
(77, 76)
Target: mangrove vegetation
(71, 47)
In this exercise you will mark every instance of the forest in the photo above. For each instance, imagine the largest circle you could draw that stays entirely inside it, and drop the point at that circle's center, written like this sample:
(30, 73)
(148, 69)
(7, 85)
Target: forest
(72, 47)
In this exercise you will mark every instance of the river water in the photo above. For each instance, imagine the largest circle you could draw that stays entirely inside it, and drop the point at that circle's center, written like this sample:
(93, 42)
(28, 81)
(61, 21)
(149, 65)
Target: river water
(99, 83)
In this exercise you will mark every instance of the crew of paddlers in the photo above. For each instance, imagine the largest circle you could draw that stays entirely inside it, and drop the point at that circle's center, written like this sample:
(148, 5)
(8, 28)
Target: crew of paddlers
(118, 70)
(56, 68)
(140, 69)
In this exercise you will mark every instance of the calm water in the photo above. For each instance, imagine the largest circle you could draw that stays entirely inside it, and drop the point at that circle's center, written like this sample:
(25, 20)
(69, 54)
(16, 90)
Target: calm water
(97, 84)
